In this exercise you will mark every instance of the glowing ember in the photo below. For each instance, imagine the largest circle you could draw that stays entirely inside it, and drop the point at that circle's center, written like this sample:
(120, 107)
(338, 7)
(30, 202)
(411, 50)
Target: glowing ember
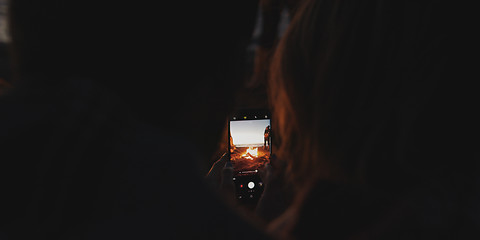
(251, 153)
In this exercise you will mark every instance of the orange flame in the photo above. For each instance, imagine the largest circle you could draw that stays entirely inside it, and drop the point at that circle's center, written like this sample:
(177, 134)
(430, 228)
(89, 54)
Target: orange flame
(251, 153)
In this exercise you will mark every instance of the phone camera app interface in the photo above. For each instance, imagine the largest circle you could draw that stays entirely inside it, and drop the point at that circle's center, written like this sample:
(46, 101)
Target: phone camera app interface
(250, 144)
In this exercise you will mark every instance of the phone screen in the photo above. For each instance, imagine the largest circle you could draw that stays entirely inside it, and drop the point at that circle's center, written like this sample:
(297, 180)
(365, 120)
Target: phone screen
(250, 142)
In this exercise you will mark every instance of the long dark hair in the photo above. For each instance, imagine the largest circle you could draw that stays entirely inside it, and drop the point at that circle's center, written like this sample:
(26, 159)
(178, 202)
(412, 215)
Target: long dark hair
(364, 91)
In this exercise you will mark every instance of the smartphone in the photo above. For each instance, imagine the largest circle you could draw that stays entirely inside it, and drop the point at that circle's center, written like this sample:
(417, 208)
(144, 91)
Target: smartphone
(250, 147)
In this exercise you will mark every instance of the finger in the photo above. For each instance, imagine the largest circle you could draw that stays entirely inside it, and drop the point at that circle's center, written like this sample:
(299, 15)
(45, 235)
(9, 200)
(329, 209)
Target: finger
(221, 162)
(228, 165)
(263, 171)
(227, 184)
(227, 173)
(217, 166)
(277, 164)
(268, 170)
(273, 160)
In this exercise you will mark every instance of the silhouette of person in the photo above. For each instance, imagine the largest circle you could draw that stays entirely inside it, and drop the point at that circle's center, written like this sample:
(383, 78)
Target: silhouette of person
(266, 137)
(271, 11)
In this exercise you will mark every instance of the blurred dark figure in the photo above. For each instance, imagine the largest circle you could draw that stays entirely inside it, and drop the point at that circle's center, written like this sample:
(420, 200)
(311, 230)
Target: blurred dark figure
(270, 11)
(375, 115)
(266, 137)
(93, 133)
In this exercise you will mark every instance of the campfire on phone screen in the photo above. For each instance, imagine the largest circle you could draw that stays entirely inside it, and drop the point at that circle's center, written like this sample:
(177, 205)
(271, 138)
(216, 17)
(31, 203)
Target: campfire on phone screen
(251, 153)
(249, 158)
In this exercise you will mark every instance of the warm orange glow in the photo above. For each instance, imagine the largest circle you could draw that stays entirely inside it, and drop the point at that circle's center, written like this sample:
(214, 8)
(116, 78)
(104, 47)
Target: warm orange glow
(251, 153)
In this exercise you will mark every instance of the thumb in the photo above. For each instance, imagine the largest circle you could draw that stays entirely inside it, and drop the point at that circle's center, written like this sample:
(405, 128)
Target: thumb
(267, 173)
(227, 184)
